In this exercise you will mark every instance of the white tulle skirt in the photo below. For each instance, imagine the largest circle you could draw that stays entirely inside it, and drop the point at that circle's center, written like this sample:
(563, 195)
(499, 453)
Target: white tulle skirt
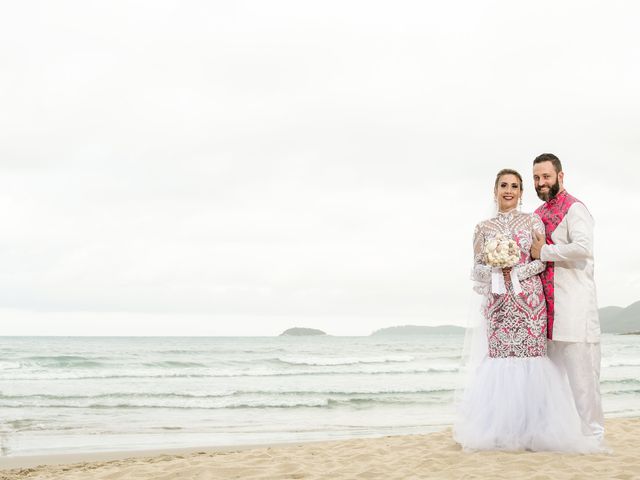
(520, 404)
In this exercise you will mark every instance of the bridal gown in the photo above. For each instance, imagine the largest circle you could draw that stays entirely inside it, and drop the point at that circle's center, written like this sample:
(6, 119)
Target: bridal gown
(516, 398)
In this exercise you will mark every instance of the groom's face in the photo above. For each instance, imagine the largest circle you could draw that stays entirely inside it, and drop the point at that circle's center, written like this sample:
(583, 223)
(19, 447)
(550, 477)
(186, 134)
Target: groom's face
(546, 180)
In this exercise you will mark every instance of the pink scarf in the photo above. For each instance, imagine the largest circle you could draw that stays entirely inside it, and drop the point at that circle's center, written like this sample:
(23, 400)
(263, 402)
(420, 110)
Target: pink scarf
(552, 213)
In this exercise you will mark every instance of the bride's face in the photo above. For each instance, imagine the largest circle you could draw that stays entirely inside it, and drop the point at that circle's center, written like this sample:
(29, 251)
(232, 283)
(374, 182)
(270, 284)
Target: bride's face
(508, 192)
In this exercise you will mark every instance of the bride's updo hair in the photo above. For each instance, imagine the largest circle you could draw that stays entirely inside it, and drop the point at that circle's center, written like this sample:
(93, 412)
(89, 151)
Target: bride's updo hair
(507, 171)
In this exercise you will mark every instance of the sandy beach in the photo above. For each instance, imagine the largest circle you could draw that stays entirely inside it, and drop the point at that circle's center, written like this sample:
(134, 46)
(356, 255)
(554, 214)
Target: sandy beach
(396, 457)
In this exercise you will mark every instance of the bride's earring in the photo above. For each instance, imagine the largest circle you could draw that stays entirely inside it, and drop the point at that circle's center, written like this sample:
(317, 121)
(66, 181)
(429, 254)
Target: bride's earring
(520, 203)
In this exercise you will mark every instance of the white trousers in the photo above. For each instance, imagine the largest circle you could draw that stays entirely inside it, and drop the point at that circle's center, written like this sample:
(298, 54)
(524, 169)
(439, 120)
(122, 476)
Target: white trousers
(581, 363)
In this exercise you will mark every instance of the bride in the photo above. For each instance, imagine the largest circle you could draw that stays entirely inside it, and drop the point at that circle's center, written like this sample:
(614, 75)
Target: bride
(515, 398)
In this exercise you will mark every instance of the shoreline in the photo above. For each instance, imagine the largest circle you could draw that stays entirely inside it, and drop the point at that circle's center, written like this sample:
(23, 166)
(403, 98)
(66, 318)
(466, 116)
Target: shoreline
(433, 455)
(30, 461)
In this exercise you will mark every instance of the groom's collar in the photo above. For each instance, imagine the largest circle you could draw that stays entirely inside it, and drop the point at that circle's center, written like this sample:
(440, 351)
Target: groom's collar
(558, 198)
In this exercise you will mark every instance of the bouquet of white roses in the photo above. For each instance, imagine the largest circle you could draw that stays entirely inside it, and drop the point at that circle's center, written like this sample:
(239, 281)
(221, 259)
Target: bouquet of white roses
(501, 252)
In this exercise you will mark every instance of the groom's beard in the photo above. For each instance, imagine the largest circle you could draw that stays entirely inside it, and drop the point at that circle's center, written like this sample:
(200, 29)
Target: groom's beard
(549, 195)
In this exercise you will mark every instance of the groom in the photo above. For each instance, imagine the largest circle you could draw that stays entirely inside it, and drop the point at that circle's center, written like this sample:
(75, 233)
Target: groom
(573, 325)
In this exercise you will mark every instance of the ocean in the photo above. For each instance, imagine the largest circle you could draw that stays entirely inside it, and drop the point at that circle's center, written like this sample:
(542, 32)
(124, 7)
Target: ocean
(84, 394)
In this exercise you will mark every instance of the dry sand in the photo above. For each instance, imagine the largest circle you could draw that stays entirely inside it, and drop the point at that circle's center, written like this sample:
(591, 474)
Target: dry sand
(401, 457)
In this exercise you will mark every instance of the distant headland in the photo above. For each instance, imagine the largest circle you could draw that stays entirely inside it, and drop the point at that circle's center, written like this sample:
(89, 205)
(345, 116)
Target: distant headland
(619, 319)
(418, 330)
(300, 332)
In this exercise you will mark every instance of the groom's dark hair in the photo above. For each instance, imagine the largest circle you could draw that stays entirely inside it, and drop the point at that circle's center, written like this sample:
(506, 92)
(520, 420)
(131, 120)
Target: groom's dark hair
(549, 157)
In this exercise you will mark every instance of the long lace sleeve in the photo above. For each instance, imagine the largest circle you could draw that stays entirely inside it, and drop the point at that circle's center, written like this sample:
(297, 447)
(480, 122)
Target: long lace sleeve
(534, 267)
(481, 273)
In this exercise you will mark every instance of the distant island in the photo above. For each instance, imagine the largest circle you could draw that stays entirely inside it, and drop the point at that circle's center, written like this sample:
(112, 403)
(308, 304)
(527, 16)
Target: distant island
(612, 320)
(418, 330)
(619, 319)
(299, 332)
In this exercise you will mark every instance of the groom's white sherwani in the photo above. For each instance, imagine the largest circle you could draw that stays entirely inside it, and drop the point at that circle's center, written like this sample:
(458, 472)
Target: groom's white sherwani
(576, 328)
(576, 308)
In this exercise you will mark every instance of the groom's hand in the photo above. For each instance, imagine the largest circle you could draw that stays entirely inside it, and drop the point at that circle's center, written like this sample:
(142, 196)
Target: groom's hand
(538, 242)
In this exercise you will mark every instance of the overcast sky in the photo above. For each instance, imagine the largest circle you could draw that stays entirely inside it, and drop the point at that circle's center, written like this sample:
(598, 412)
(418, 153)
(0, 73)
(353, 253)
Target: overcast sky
(238, 168)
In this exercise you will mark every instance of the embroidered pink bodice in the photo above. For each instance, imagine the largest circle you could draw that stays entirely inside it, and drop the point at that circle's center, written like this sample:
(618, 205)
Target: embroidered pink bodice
(516, 323)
